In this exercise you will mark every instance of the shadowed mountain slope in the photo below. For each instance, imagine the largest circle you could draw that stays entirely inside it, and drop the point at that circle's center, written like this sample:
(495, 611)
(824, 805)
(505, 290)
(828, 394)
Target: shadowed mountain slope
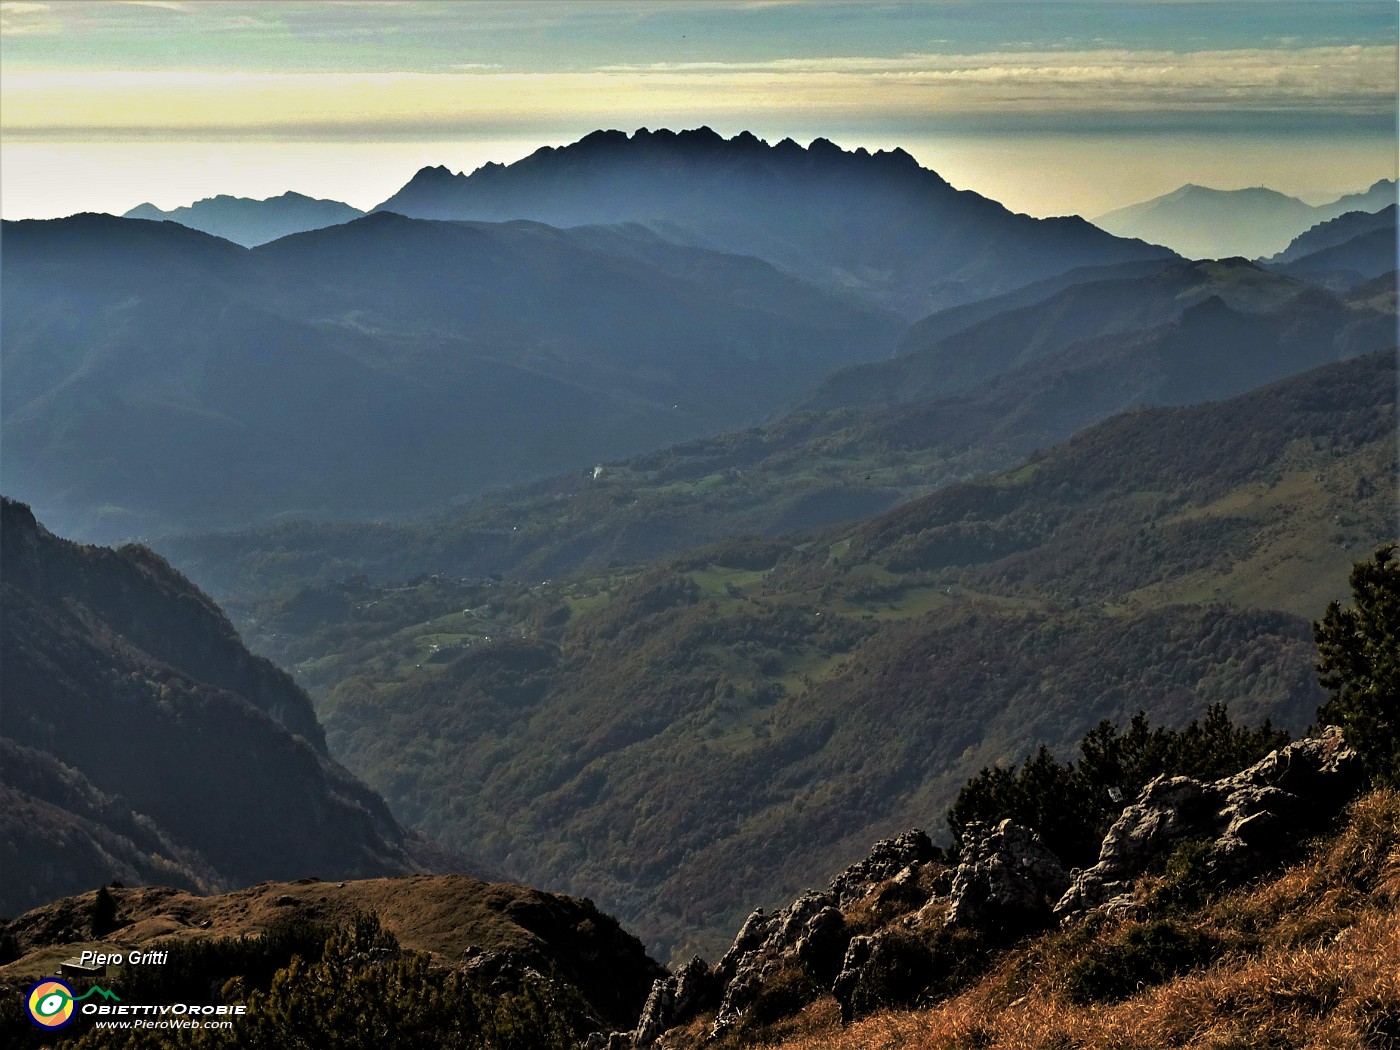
(141, 741)
(814, 468)
(378, 367)
(1363, 258)
(1334, 232)
(878, 225)
(933, 362)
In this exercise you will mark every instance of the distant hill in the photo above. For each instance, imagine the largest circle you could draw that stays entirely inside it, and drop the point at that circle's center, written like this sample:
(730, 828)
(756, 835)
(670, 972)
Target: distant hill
(383, 366)
(934, 364)
(140, 741)
(250, 222)
(1360, 259)
(874, 225)
(719, 726)
(1204, 223)
(1378, 195)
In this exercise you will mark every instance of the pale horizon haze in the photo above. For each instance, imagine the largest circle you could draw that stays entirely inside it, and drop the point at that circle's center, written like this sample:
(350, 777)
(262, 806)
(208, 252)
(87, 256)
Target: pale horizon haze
(1051, 108)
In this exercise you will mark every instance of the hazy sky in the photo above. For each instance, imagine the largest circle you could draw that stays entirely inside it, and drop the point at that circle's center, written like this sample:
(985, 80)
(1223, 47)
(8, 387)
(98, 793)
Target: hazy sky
(1050, 106)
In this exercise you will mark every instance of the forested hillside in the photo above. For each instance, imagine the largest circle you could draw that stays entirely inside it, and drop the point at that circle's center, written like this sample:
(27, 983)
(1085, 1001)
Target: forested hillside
(712, 728)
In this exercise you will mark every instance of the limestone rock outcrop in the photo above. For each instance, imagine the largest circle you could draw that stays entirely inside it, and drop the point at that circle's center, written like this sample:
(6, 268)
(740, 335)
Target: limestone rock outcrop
(888, 859)
(1250, 819)
(1006, 881)
(810, 933)
(691, 990)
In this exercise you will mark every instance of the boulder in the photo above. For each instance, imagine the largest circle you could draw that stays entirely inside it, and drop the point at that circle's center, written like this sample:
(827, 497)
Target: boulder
(1252, 819)
(1006, 882)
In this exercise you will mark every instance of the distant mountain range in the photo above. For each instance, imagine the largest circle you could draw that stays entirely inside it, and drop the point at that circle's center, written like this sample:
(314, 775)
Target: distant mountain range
(874, 225)
(250, 222)
(140, 741)
(382, 366)
(975, 390)
(1204, 223)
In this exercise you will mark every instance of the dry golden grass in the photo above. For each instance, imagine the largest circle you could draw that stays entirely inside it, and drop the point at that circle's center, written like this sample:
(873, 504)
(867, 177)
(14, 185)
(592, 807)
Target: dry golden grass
(1314, 962)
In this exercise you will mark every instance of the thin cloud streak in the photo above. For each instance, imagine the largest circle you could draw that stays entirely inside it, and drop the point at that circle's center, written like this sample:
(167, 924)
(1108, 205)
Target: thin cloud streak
(1342, 80)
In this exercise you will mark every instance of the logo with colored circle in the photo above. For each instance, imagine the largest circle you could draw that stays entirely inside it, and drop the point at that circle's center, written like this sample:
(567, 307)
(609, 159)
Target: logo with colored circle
(51, 1004)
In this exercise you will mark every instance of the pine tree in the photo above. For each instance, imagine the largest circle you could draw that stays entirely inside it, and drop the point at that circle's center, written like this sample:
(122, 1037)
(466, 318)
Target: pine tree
(1359, 662)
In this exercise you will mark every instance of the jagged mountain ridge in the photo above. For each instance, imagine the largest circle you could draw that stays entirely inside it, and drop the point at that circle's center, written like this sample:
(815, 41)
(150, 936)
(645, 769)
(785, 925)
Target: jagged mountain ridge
(382, 366)
(875, 225)
(250, 222)
(143, 742)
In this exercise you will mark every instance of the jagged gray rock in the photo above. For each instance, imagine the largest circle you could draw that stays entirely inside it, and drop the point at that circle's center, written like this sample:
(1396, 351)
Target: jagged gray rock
(810, 932)
(673, 1000)
(1251, 818)
(1006, 880)
(503, 971)
(887, 968)
(887, 859)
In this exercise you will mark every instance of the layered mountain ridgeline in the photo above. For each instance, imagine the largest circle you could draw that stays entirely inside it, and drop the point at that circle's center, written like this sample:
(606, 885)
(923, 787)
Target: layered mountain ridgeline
(379, 366)
(716, 728)
(1204, 223)
(875, 225)
(978, 388)
(250, 222)
(142, 742)
(555, 963)
(1360, 259)
(1185, 333)
(1335, 232)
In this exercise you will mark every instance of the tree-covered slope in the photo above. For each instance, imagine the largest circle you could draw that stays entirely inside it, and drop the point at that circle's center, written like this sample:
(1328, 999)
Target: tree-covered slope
(717, 727)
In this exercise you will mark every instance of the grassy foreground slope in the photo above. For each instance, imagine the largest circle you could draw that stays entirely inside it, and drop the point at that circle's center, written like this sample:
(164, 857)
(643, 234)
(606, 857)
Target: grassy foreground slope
(1303, 960)
(715, 729)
